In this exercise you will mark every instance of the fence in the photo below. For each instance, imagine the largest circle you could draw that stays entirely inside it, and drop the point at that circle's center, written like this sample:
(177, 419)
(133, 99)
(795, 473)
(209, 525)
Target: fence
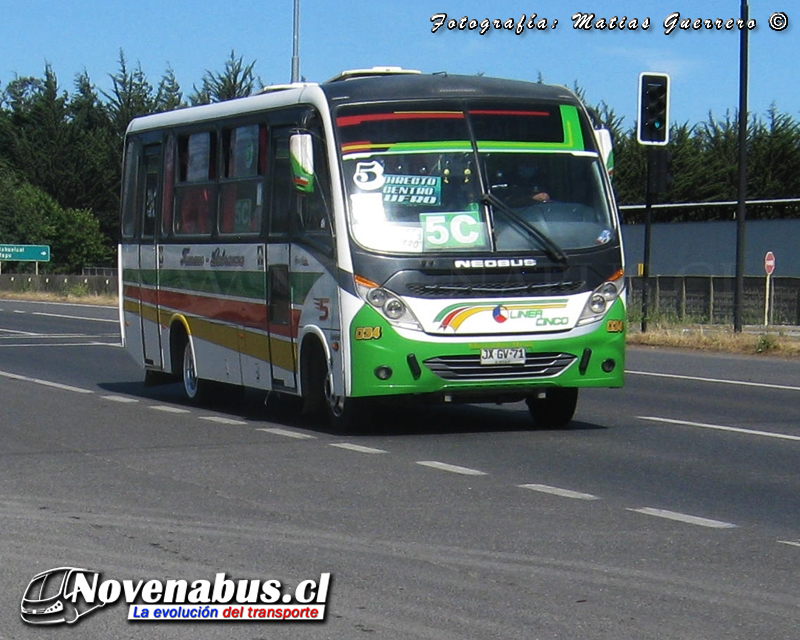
(698, 299)
(60, 285)
(709, 299)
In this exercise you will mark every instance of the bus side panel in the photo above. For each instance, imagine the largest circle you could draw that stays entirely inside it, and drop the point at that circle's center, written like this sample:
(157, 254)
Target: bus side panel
(315, 303)
(130, 301)
(219, 290)
(148, 305)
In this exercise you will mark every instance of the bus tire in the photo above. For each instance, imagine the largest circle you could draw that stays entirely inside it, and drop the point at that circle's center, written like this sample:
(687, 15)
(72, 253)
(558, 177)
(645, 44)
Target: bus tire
(348, 415)
(345, 415)
(555, 410)
(196, 390)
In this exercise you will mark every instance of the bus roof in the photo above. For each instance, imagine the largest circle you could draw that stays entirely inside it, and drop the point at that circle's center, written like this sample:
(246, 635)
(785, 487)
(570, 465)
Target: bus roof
(416, 86)
(362, 85)
(271, 97)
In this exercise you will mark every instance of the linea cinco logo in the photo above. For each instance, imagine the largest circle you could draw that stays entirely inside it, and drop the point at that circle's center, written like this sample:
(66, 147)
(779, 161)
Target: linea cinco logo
(65, 594)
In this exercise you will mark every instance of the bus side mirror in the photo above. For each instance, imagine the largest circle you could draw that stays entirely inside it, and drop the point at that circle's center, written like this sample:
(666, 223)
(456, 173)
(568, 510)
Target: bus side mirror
(606, 148)
(301, 151)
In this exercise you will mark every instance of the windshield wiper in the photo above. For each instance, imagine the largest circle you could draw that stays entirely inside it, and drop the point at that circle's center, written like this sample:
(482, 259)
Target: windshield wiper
(552, 249)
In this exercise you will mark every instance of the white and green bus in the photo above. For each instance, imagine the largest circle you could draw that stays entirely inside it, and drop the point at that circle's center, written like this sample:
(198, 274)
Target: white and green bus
(384, 235)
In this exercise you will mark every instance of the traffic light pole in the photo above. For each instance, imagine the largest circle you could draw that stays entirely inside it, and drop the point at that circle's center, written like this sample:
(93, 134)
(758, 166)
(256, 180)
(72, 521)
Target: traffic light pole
(652, 130)
(648, 226)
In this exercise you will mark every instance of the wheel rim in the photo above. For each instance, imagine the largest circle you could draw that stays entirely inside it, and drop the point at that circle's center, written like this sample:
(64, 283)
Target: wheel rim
(335, 402)
(189, 372)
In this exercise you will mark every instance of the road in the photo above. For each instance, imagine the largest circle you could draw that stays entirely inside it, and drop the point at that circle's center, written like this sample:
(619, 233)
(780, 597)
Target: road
(670, 509)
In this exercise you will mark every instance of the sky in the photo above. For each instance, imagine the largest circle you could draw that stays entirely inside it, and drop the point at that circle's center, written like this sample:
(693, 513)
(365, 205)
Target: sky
(192, 37)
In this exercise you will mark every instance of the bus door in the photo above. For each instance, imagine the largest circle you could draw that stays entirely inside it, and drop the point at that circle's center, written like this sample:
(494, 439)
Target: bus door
(149, 256)
(281, 320)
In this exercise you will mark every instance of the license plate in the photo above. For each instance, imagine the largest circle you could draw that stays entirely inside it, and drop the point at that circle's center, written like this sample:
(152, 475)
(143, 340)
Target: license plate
(514, 355)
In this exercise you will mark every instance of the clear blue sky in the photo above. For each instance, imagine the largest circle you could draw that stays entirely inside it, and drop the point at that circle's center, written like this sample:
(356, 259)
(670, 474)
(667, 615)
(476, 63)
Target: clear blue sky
(198, 35)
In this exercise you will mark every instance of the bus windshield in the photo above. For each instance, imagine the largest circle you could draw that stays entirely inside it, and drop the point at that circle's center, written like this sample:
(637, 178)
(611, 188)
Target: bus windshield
(481, 178)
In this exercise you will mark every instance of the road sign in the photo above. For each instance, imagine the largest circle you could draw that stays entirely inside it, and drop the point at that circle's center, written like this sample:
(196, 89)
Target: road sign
(769, 263)
(24, 253)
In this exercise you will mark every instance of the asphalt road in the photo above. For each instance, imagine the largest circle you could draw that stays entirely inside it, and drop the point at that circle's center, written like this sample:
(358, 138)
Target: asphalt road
(669, 510)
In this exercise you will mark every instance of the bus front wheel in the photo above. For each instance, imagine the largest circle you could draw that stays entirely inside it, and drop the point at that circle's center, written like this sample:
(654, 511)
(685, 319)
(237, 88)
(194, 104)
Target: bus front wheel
(345, 414)
(555, 409)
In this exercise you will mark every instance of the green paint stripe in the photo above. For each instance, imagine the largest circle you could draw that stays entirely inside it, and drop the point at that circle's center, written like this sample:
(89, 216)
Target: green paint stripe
(241, 284)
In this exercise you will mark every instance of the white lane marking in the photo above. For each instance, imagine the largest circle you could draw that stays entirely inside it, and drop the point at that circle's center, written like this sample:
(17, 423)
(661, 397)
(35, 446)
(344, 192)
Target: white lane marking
(557, 491)
(289, 434)
(54, 336)
(45, 383)
(168, 409)
(59, 315)
(719, 427)
(683, 517)
(62, 344)
(122, 399)
(357, 447)
(452, 468)
(222, 420)
(21, 333)
(742, 383)
(791, 543)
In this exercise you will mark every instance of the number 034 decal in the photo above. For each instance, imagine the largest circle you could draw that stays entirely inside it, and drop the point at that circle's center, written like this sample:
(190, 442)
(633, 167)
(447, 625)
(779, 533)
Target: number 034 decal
(368, 333)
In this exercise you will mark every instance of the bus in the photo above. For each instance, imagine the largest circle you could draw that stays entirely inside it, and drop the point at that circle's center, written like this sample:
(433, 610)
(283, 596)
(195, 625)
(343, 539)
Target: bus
(384, 235)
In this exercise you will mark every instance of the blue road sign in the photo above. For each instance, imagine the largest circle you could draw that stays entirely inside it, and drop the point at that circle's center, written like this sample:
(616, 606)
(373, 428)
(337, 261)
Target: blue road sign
(24, 253)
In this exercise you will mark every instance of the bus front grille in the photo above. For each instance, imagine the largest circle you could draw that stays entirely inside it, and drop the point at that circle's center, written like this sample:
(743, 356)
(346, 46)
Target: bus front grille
(469, 367)
(493, 289)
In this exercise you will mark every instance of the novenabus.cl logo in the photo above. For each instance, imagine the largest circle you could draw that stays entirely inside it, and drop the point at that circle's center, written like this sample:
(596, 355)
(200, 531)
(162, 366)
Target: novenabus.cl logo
(67, 593)
(51, 597)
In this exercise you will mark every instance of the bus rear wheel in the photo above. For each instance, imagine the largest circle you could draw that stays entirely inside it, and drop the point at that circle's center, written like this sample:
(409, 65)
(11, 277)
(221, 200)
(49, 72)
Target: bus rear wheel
(555, 409)
(195, 389)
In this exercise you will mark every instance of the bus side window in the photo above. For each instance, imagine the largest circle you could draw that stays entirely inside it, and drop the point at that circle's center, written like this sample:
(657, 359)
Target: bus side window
(152, 161)
(304, 215)
(130, 202)
(168, 203)
(242, 185)
(282, 190)
(195, 191)
(315, 213)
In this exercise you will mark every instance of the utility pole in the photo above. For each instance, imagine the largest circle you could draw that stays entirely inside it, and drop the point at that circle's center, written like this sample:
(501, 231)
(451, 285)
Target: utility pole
(741, 206)
(296, 43)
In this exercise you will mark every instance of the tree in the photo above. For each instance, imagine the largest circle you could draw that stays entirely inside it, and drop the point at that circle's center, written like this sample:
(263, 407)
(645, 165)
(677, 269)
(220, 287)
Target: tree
(236, 81)
(131, 95)
(774, 157)
(30, 216)
(169, 96)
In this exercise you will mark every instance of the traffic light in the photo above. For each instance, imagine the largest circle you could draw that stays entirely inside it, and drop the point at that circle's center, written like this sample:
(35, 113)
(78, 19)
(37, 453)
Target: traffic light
(653, 123)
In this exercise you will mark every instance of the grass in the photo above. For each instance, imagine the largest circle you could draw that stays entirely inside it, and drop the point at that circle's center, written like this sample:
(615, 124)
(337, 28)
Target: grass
(663, 334)
(719, 338)
(77, 295)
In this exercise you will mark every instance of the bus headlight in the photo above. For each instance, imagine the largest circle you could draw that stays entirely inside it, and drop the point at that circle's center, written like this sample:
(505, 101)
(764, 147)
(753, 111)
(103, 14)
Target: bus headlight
(602, 298)
(389, 304)
(394, 309)
(377, 297)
